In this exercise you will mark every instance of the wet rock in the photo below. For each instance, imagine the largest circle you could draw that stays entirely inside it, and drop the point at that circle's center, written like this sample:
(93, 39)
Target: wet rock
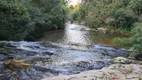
(37, 58)
(4, 44)
(16, 65)
(2, 57)
(123, 60)
(34, 59)
(33, 47)
(134, 55)
(39, 68)
(48, 53)
(9, 53)
(108, 50)
(49, 44)
(4, 77)
(5, 74)
(138, 57)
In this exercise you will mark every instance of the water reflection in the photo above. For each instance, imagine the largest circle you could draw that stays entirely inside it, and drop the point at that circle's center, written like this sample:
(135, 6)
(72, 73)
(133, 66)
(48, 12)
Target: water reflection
(74, 33)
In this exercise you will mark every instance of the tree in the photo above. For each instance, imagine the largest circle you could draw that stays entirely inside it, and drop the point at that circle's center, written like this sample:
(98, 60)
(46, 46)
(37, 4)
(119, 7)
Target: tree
(136, 39)
(45, 15)
(13, 20)
(113, 13)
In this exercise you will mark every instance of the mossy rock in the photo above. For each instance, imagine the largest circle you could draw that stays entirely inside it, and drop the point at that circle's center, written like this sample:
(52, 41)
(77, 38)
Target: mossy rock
(16, 65)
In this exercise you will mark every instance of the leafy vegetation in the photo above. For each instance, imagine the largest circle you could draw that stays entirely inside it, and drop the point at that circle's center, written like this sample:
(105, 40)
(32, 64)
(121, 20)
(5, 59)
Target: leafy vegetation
(125, 16)
(45, 15)
(14, 18)
(29, 19)
(114, 13)
(135, 40)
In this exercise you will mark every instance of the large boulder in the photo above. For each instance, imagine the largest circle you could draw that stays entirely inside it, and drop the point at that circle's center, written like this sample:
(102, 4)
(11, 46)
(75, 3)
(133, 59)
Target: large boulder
(113, 72)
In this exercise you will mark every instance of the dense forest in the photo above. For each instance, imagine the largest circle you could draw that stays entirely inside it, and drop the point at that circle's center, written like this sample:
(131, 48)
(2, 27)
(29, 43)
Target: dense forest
(123, 16)
(29, 19)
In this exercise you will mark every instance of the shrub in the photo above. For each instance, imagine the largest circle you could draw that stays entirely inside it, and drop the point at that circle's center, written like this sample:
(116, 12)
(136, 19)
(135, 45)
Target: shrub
(135, 41)
(45, 15)
(122, 42)
(136, 38)
(13, 19)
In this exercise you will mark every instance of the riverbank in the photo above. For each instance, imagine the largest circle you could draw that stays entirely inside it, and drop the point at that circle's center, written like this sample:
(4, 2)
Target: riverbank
(123, 69)
(113, 72)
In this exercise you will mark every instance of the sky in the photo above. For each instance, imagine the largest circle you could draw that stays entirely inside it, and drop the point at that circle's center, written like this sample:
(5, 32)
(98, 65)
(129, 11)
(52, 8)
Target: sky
(74, 2)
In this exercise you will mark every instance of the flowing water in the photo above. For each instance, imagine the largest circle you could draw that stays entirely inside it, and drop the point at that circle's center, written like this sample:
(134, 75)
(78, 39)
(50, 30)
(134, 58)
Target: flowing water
(79, 34)
(71, 51)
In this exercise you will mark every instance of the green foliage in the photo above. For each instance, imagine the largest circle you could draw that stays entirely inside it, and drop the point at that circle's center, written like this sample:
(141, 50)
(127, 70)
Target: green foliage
(124, 31)
(137, 37)
(116, 13)
(13, 19)
(135, 40)
(122, 15)
(122, 42)
(45, 15)
(29, 19)
(73, 15)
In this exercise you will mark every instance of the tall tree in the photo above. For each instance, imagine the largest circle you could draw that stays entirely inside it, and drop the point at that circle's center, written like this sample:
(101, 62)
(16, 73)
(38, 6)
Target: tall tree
(13, 20)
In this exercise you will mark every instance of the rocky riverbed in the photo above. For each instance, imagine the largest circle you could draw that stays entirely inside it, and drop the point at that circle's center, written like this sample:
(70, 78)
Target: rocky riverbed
(113, 72)
(123, 69)
(39, 60)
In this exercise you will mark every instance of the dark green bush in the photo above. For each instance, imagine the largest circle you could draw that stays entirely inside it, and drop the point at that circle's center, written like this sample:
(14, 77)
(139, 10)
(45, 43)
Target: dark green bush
(13, 20)
(135, 41)
(29, 19)
(45, 15)
(122, 42)
(136, 38)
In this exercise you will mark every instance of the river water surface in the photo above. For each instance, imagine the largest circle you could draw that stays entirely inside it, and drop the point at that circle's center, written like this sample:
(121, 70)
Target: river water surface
(71, 51)
(79, 34)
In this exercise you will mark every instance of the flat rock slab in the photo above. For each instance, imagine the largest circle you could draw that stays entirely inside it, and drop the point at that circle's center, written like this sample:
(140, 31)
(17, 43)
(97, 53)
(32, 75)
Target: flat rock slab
(113, 72)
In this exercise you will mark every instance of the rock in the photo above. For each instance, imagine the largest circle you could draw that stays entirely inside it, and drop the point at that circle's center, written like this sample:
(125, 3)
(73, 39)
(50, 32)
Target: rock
(49, 53)
(138, 57)
(120, 60)
(135, 55)
(113, 72)
(16, 65)
(101, 29)
(4, 44)
(79, 48)
(37, 58)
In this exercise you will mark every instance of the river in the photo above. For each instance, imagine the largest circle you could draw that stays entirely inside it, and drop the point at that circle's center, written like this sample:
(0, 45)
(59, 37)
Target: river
(70, 51)
(79, 34)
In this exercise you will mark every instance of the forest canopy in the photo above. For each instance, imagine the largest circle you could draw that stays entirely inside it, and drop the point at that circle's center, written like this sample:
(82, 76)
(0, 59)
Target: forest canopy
(123, 16)
(29, 19)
